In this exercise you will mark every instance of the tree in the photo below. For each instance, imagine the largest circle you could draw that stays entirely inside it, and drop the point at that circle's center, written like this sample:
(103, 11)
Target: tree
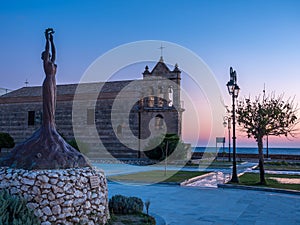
(6, 141)
(156, 147)
(79, 146)
(269, 116)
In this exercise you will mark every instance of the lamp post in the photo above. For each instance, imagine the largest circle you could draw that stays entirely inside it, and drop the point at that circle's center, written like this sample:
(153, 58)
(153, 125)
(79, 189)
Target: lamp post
(228, 124)
(233, 90)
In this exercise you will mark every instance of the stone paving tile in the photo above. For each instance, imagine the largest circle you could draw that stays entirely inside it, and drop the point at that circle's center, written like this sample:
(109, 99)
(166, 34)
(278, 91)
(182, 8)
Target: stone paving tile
(245, 222)
(225, 221)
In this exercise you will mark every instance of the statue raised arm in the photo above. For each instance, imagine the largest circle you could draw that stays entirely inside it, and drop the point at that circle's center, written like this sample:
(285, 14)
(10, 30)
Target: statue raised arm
(49, 61)
(52, 47)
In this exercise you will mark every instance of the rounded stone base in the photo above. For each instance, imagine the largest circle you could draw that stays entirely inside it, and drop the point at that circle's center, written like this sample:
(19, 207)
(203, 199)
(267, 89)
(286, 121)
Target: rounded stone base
(45, 149)
(69, 196)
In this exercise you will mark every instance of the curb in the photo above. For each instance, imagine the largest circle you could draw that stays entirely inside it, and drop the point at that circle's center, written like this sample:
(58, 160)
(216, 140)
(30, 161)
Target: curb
(141, 182)
(192, 180)
(244, 187)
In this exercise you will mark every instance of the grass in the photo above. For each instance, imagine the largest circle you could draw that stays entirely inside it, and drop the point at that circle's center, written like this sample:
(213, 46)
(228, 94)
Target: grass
(214, 164)
(283, 165)
(158, 176)
(252, 179)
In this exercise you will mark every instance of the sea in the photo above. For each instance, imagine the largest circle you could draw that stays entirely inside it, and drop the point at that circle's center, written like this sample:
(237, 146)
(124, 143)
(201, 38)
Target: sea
(250, 150)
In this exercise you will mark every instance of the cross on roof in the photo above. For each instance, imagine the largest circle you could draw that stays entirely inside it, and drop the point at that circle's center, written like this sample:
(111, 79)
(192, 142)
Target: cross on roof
(161, 49)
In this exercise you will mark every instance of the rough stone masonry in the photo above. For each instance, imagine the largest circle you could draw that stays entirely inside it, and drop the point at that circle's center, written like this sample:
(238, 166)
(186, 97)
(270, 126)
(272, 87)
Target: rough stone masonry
(69, 196)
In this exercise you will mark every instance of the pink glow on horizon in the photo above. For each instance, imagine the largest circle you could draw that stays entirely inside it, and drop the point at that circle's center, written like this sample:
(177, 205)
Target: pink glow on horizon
(205, 123)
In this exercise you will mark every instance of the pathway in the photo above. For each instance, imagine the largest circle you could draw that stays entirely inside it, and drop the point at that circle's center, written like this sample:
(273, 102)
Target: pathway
(213, 206)
(209, 180)
(219, 176)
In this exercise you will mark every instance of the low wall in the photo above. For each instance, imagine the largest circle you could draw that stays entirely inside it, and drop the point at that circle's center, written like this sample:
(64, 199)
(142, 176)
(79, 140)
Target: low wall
(199, 155)
(70, 196)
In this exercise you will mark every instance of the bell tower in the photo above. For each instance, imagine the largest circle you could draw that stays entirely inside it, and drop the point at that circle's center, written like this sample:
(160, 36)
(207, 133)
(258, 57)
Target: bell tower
(162, 102)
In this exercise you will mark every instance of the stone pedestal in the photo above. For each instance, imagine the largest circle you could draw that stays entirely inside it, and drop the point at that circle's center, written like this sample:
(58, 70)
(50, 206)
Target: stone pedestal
(69, 196)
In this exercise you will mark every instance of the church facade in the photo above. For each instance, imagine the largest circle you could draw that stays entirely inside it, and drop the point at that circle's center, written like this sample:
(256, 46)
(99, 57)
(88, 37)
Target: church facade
(144, 106)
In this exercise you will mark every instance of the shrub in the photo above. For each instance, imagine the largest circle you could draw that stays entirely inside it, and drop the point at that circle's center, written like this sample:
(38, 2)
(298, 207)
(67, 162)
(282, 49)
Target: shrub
(120, 204)
(135, 205)
(6, 141)
(117, 204)
(13, 210)
(76, 144)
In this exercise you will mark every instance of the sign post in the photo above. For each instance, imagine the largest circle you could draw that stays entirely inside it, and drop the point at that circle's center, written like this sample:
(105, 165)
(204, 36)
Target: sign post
(222, 141)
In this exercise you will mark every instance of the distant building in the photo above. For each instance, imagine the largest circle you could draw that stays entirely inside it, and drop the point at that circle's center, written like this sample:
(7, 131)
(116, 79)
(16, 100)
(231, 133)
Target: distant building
(21, 111)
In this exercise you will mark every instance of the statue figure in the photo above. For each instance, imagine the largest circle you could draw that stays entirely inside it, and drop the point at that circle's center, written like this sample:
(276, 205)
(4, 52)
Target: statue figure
(49, 84)
(46, 149)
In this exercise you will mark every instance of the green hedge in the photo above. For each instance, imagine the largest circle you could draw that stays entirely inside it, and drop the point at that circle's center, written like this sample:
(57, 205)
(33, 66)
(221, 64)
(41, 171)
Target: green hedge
(120, 204)
(6, 141)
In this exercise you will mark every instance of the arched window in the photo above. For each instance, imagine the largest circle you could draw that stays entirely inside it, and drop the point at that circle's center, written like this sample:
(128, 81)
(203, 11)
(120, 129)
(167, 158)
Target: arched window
(171, 96)
(160, 100)
(151, 101)
(159, 122)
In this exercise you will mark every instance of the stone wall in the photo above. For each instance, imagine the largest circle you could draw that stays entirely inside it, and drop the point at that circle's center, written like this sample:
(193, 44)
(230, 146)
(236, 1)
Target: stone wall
(63, 197)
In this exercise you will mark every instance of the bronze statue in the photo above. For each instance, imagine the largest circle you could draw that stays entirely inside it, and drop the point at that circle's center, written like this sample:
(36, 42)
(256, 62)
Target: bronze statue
(46, 149)
(49, 84)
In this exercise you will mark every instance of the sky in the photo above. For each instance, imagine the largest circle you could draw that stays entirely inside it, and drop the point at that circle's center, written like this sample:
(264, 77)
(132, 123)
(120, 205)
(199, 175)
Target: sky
(259, 39)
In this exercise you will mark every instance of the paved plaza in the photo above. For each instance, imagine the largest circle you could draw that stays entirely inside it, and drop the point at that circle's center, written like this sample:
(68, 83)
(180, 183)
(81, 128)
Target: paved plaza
(178, 205)
(190, 205)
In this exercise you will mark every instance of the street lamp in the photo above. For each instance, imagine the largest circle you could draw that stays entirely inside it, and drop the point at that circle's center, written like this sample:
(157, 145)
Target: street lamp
(233, 90)
(228, 124)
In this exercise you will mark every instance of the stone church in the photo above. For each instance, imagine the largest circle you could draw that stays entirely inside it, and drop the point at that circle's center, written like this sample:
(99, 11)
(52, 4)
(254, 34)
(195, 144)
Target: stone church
(154, 103)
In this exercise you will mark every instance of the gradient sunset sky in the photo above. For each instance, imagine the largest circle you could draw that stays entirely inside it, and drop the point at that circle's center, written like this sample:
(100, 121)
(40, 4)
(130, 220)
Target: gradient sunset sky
(259, 39)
